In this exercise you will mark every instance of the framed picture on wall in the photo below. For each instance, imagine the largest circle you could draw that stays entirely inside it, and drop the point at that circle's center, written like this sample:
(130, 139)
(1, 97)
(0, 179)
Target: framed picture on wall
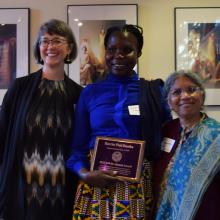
(89, 23)
(14, 45)
(197, 46)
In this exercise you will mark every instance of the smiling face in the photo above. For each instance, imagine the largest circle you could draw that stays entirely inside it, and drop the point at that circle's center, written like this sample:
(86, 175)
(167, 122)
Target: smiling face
(54, 52)
(185, 98)
(121, 53)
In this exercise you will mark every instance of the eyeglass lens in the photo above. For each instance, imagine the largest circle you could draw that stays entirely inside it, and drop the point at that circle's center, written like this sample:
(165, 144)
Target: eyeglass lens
(189, 91)
(55, 42)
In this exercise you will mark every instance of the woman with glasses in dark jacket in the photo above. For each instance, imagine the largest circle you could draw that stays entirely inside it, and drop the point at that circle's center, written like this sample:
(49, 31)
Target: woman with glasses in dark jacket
(35, 130)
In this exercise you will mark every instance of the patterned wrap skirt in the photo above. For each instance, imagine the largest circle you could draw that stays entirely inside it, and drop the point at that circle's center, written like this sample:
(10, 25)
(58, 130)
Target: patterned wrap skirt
(121, 200)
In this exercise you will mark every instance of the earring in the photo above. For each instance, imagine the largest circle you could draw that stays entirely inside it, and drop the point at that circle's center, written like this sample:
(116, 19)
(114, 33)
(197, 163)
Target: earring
(67, 59)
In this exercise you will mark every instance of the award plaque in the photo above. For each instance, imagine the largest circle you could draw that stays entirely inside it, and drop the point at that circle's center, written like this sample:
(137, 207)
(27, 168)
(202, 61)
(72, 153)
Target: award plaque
(122, 155)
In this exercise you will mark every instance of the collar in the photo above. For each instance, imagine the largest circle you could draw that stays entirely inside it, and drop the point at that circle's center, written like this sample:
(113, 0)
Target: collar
(117, 78)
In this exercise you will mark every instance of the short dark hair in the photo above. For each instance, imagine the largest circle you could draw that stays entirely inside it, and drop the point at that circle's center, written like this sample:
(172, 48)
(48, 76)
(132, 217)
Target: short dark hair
(193, 77)
(57, 27)
(136, 30)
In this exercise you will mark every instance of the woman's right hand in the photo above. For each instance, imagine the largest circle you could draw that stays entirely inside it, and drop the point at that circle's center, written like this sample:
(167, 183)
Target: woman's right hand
(98, 178)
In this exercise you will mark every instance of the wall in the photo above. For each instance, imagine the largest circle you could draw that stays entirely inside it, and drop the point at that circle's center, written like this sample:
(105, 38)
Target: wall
(155, 16)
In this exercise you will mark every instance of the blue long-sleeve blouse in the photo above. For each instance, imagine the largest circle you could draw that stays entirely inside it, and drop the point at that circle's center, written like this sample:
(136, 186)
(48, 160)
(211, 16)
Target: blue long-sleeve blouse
(102, 110)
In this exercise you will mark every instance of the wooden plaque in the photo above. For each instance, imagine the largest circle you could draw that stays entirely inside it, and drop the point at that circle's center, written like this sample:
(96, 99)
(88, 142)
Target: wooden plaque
(122, 155)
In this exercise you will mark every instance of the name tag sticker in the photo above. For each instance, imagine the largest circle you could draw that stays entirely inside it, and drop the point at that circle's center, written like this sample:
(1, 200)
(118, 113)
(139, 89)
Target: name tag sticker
(167, 144)
(133, 110)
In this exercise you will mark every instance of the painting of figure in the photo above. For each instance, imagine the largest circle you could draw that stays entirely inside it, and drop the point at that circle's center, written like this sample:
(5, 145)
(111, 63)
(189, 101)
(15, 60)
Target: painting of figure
(204, 52)
(7, 54)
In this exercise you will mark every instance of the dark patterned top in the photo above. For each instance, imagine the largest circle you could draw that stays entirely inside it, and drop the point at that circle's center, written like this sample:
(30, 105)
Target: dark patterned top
(48, 123)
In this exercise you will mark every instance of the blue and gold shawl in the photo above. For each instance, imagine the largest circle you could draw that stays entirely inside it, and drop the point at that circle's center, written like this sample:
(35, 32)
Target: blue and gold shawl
(195, 164)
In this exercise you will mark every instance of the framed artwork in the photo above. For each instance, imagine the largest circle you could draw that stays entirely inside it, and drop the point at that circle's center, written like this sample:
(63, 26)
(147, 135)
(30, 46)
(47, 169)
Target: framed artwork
(14, 45)
(89, 24)
(197, 46)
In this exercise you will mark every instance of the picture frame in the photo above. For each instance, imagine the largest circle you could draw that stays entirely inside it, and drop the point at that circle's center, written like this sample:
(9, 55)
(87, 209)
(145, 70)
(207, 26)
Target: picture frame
(14, 45)
(197, 46)
(89, 23)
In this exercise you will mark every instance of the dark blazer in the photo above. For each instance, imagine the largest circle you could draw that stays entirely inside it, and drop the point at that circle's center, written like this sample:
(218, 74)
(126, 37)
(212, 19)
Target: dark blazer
(12, 133)
(154, 112)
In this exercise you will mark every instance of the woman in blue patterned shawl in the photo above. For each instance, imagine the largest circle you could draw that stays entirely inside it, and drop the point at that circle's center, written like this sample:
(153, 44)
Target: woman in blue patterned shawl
(187, 177)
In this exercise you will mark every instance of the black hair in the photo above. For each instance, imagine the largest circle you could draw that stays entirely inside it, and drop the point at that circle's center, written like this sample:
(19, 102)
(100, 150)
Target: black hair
(136, 30)
(60, 28)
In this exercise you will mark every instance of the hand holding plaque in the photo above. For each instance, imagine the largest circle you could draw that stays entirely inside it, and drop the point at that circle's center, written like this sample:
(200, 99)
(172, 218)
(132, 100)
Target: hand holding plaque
(122, 155)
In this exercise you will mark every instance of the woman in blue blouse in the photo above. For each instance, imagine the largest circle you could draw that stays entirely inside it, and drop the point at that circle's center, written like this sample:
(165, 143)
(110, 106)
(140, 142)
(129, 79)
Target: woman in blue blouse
(121, 106)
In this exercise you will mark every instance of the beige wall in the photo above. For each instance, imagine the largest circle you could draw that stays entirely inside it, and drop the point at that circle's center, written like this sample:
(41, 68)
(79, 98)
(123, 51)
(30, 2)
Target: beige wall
(155, 16)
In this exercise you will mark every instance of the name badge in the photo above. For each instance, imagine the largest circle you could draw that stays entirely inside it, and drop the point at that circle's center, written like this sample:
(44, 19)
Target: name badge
(134, 110)
(167, 144)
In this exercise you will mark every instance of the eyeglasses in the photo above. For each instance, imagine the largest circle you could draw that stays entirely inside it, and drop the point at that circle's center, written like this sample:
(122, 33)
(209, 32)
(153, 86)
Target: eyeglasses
(54, 42)
(191, 90)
